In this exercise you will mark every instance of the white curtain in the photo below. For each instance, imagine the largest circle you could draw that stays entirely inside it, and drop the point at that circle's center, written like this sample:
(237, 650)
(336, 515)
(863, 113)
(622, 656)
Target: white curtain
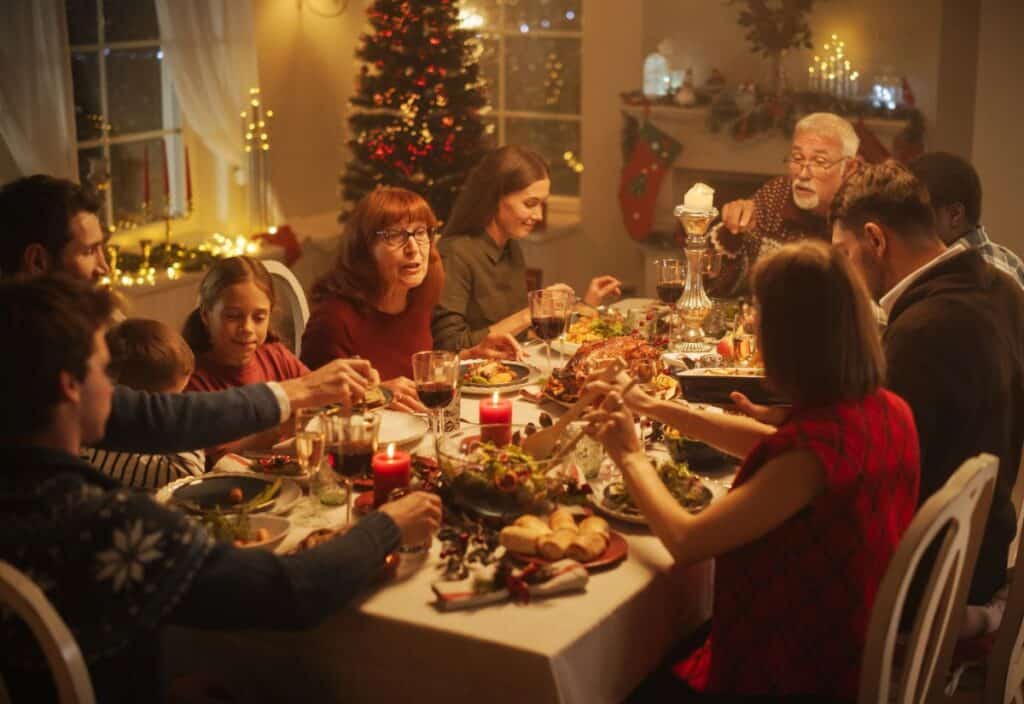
(36, 101)
(210, 51)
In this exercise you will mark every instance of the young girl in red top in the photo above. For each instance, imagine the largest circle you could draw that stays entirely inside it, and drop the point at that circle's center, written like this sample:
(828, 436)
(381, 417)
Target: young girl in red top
(230, 335)
(377, 301)
(802, 540)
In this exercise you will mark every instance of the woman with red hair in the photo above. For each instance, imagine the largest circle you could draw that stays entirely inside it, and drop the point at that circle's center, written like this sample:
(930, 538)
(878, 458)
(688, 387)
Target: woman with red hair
(377, 301)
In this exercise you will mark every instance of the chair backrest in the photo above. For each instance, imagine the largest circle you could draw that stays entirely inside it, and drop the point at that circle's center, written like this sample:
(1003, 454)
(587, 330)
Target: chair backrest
(293, 310)
(24, 598)
(956, 516)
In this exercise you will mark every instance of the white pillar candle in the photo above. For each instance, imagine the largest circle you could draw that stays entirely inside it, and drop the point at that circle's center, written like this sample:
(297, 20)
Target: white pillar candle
(700, 198)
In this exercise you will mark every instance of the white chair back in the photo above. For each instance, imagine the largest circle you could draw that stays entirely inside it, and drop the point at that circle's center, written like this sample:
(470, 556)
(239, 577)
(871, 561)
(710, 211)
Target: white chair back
(24, 598)
(293, 310)
(956, 516)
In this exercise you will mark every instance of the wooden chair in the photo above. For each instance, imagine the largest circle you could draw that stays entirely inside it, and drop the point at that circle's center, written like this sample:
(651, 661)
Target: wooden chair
(292, 309)
(954, 519)
(1002, 672)
(24, 598)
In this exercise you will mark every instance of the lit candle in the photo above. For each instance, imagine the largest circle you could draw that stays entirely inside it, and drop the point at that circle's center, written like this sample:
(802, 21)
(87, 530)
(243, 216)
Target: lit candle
(497, 413)
(145, 177)
(188, 180)
(390, 471)
(700, 198)
(167, 180)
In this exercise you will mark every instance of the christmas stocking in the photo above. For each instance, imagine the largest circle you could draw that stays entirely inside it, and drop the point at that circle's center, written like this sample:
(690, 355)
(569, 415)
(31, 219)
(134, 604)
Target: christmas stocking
(652, 155)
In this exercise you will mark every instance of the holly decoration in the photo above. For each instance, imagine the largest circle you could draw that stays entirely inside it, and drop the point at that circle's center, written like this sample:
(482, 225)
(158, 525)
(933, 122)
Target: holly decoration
(415, 120)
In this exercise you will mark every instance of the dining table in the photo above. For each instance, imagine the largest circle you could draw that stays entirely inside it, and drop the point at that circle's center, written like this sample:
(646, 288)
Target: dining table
(393, 643)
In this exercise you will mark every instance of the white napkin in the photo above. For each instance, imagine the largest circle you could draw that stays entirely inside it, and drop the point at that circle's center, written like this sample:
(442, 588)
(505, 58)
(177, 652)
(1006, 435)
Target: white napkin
(567, 575)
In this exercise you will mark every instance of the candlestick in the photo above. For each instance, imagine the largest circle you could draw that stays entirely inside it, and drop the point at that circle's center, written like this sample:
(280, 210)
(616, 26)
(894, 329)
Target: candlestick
(496, 420)
(145, 180)
(390, 471)
(167, 179)
(188, 182)
(695, 215)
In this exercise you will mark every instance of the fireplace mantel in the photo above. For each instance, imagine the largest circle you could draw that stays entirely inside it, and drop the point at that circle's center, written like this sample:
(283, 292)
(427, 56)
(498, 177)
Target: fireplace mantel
(753, 160)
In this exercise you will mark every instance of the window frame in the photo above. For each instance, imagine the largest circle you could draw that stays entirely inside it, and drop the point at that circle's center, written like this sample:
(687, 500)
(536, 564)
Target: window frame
(171, 114)
(564, 207)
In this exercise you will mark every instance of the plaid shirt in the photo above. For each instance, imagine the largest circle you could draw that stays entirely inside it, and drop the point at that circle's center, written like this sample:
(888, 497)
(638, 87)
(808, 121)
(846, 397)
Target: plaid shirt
(999, 256)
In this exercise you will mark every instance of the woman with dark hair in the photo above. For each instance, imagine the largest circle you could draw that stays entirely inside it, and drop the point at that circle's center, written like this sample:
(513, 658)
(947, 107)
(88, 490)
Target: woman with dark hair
(802, 540)
(377, 301)
(485, 287)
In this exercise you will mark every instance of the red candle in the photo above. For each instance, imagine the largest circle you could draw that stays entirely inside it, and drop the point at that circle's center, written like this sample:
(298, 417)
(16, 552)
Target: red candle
(496, 412)
(188, 180)
(390, 471)
(145, 177)
(167, 180)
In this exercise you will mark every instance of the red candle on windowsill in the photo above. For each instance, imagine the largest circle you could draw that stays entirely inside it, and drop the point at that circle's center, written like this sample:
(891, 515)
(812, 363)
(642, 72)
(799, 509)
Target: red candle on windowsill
(390, 471)
(496, 412)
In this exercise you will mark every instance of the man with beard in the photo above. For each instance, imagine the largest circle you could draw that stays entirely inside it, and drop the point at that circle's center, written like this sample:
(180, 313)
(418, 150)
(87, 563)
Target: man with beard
(790, 207)
(50, 225)
(954, 346)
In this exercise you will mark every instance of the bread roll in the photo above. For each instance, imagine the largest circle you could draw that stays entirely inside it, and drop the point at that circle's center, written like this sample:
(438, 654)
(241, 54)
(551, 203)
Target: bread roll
(595, 524)
(561, 519)
(532, 522)
(553, 545)
(586, 547)
(520, 539)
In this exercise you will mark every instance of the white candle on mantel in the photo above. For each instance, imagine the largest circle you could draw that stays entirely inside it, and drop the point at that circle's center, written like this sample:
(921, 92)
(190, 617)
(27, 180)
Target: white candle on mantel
(700, 198)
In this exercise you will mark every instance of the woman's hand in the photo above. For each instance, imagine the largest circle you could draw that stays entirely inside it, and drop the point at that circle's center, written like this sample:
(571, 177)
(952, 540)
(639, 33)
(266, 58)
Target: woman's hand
(405, 397)
(629, 392)
(612, 424)
(494, 346)
(769, 415)
(600, 288)
(343, 381)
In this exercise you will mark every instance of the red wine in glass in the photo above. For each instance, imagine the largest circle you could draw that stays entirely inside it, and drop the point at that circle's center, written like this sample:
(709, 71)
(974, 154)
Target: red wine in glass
(356, 460)
(435, 394)
(548, 327)
(670, 291)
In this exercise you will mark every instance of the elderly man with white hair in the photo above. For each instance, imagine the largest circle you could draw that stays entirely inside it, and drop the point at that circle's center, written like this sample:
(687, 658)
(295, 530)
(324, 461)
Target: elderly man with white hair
(790, 207)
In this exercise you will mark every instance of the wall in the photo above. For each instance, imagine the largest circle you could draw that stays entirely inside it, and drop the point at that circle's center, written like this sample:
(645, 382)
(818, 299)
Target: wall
(998, 151)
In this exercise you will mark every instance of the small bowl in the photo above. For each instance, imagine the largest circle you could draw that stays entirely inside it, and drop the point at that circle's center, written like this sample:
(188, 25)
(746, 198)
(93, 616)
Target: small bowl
(473, 484)
(276, 526)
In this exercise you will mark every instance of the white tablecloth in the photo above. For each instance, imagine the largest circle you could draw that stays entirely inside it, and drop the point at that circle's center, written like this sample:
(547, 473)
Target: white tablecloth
(393, 645)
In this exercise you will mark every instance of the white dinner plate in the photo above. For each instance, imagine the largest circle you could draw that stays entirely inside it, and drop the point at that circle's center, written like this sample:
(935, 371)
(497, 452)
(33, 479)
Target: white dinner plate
(524, 374)
(400, 428)
(287, 496)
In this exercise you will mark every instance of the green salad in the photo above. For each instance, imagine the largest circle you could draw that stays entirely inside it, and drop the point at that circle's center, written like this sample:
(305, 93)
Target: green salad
(685, 486)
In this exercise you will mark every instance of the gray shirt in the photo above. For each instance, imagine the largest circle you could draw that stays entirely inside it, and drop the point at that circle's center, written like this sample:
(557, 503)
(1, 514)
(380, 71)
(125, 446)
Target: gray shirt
(483, 285)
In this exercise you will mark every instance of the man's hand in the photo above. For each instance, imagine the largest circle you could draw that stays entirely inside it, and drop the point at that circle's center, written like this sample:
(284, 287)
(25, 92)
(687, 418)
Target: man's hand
(405, 397)
(600, 288)
(738, 216)
(494, 346)
(343, 381)
(417, 515)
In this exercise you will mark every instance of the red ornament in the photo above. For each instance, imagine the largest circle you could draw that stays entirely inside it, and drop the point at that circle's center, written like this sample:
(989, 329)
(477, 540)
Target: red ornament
(421, 82)
(447, 120)
(435, 41)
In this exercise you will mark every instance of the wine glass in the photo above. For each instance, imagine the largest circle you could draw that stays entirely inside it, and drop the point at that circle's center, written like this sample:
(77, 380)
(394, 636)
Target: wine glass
(549, 311)
(711, 264)
(744, 338)
(670, 280)
(436, 373)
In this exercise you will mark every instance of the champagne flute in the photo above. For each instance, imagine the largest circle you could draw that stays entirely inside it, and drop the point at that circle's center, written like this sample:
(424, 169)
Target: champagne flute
(549, 311)
(436, 373)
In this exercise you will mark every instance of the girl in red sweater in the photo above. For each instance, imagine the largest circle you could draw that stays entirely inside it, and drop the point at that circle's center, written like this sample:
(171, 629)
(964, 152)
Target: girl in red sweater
(378, 300)
(230, 335)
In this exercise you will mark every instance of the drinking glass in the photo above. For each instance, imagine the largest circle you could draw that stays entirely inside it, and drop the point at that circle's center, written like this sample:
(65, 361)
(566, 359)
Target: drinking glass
(744, 338)
(670, 280)
(711, 264)
(549, 311)
(313, 441)
(436, 373)
(356, 444)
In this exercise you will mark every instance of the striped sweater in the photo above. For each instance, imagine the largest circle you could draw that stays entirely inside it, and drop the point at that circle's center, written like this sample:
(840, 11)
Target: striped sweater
(141, 471)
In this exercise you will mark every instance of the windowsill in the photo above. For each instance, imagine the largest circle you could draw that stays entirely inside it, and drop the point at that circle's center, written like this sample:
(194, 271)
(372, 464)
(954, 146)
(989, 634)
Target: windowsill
(564, 217)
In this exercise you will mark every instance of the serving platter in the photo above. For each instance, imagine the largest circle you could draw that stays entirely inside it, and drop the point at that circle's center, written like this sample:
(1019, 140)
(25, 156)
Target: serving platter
(210, 491)
(717, 489)
(616, 552)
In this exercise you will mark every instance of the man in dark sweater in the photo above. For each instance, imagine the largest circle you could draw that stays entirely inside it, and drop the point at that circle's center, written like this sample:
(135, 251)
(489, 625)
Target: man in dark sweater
(954, 343)
(116, 565)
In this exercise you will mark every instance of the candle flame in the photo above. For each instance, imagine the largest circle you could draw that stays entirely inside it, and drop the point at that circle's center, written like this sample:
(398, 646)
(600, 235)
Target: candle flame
(494, 398)
(391, 450)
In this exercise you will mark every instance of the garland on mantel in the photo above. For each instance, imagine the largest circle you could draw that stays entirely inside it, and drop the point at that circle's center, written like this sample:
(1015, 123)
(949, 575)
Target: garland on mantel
(783, 112)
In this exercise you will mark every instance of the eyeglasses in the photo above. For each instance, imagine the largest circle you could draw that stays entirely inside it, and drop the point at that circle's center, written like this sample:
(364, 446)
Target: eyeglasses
(397, 237)
(818, 166)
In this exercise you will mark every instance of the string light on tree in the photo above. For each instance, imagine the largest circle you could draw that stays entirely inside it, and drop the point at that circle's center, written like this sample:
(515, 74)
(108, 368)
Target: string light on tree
(833, 72)
(256, 135)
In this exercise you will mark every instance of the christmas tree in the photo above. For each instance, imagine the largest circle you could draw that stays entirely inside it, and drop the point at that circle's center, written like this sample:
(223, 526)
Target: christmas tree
(415, 120)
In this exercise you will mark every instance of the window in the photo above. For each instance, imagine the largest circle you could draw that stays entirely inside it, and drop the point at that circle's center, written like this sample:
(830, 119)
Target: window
(126, 115)
(532, 60)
